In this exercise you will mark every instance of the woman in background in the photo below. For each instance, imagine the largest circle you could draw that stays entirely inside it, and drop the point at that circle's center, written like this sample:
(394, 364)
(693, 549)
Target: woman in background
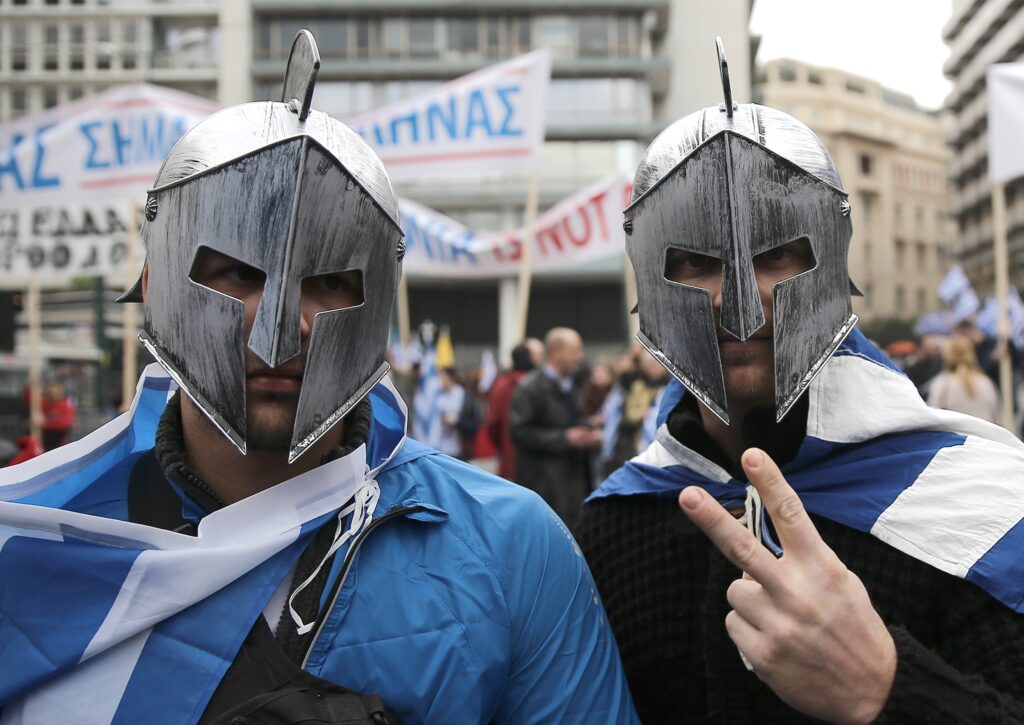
(961, 386)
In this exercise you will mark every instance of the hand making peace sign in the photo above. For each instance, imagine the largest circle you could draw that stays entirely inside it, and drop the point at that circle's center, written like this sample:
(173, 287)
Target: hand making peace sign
(805, 621)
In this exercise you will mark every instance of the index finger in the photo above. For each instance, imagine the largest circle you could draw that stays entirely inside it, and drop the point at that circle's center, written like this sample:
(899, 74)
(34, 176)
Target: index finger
(730, 536)
(795, 529)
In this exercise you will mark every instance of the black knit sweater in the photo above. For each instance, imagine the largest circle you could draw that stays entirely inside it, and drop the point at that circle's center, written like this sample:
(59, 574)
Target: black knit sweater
(961, 652)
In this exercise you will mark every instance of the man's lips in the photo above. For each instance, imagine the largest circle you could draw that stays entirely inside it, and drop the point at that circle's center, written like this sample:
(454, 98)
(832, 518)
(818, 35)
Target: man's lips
(275, 381)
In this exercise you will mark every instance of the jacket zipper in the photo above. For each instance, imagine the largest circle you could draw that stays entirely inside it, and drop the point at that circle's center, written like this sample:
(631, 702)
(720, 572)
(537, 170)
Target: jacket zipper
(350, 556)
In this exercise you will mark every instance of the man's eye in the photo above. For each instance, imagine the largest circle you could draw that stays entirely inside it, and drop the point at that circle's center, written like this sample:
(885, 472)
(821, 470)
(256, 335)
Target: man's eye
(682, 265)
(242, 273)
(333, 282)
(773, 255)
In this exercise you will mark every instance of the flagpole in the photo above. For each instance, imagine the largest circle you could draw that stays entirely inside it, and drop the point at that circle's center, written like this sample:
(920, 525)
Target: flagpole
(1002, 293)
(129, 322)
(403, 314)
(35, 358)
(526, 260)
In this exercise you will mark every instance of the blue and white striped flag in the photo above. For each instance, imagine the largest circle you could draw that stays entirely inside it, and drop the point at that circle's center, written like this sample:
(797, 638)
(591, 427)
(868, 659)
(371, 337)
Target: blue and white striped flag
(942, 487)
(103, 620)
(426, 416)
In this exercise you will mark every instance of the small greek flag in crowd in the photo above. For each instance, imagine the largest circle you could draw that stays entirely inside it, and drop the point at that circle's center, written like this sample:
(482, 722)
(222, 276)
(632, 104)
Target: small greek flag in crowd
(988, 318)
(956, 291)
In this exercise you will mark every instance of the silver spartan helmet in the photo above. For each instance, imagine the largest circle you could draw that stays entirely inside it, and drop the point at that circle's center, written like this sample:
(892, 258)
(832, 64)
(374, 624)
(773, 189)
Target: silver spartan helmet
(732, 182)
(295, 194)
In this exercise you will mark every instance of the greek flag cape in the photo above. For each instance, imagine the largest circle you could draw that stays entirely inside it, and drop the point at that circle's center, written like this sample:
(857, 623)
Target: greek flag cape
(109, 614)
(942, 487)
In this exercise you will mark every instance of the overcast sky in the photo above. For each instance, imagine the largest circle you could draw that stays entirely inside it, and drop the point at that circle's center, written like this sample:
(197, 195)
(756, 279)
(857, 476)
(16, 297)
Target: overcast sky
(896, 42)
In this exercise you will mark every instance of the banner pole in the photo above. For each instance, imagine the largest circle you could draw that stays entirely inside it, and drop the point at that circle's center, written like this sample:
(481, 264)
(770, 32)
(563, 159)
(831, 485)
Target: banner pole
(1002, 292)
(129, 322)
(526, 261)
(403, 314)
(35, 359)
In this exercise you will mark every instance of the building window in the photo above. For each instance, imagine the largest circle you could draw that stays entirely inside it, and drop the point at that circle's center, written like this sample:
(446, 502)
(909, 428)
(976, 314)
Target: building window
(423, 37)
(331, 37)
(592, 33)
(129, 61)
(854, 87)
(493, 45)
(464, 35)
(129, 31)
(77, 33)
(901, 299)
(521, 35)
(75, 92)
(557, 33)
(103, 31)
(814, 78)
(865, 164)
(922, 300)
(901, 253)
(921, 256)
(787, 74)
(19, 100)
(50, 97)
(366, 31)
(869, 296)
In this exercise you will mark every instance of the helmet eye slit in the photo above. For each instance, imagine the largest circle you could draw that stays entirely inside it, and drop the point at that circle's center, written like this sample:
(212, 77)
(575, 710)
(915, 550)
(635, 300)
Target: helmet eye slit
(691, 268)
(225, 274)
(785, 261)
(334, 291)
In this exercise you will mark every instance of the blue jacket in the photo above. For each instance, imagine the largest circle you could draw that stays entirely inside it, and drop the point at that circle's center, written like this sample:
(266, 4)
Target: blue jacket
(466, 601)
(475, 605)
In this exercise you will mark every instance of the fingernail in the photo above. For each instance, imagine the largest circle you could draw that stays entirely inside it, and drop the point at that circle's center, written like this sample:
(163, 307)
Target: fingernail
(690, 499)
(754, 458)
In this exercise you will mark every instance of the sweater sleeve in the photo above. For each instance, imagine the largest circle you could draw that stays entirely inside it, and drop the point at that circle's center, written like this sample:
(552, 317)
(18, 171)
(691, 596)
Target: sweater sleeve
(974, 673)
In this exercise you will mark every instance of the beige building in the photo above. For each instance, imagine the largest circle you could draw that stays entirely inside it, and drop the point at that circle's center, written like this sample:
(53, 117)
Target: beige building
(893, 161)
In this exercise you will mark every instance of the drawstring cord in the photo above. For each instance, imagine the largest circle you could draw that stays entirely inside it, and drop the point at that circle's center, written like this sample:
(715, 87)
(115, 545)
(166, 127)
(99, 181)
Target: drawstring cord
(753, 520)
(363, 505)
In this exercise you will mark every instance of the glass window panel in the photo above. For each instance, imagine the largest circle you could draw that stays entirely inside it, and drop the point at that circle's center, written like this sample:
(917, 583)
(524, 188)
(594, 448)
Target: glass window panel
(77, 33)
(331, 37)
(555, 32)
(103, 31)
(464, 35)
(365, 31)
(19, 99)
(593, 35)
(50, 98)
(129, 31)
(51, 34)
(521, 34)
(423, 37)
(492, 36)
(394, 37)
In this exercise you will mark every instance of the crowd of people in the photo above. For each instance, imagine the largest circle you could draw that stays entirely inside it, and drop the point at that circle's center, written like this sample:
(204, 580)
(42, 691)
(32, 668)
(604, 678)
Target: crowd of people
(552, 420)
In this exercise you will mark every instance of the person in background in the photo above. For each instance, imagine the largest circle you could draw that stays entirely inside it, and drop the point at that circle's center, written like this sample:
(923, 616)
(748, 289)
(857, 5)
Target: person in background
(496, 424)
(554, 442)
(598, 385)
(58, 415)
(640, 392)
(449, 401)
(927, 363)
(962, 386)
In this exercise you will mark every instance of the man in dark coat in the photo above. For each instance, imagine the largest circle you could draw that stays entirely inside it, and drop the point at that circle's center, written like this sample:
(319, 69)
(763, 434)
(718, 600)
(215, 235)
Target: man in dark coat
(554, 444)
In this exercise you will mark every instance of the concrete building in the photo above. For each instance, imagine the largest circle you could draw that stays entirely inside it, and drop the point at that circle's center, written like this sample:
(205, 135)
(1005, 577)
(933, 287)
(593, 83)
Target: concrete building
(979, 33)
(892, 158)
(622, 70)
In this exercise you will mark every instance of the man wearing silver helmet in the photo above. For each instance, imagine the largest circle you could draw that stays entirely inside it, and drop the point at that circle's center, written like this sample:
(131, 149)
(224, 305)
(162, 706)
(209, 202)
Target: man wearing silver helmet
(266, 545)
(877, 575)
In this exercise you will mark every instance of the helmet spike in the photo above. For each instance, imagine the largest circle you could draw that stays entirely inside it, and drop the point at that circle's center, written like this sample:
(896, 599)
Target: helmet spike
(723, 69)
(300, 74)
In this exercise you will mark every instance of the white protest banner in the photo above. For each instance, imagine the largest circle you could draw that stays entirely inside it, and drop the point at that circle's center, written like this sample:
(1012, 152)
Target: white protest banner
(69, 176)
(1004, 88)
(585, 227)
(490, 122)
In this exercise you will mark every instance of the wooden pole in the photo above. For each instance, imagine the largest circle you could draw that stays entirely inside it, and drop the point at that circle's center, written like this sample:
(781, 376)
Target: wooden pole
(129, 322)
(629, 285)
(35, 358)
(526, 261)
(1002, 293)
(403, 314)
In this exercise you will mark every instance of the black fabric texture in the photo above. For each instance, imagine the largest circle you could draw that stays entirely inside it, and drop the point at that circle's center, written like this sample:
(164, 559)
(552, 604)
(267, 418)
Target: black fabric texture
(960, 652)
